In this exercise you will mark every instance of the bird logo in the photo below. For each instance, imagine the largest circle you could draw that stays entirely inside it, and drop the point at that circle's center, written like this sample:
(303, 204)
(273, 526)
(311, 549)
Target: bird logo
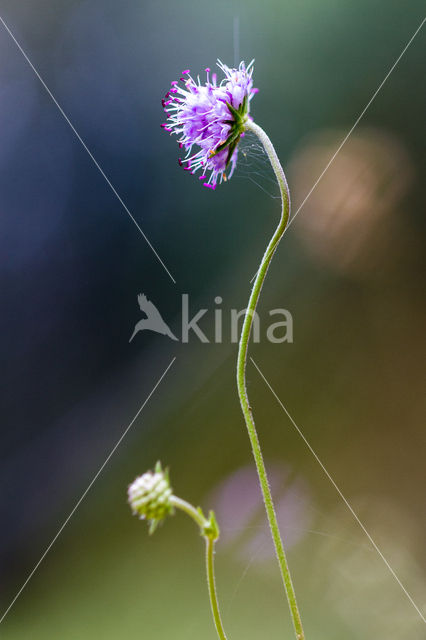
(153, 320)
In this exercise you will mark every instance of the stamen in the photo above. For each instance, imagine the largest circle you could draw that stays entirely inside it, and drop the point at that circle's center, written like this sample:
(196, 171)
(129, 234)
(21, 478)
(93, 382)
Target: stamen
(206, 127)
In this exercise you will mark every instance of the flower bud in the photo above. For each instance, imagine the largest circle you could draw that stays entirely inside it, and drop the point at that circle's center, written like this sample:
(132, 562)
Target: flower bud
(149, 496)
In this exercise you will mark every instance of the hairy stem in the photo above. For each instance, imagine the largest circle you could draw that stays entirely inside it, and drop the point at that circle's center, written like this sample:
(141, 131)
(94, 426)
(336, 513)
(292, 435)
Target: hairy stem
(241, 374)
(191, 511)
(212, 587)
(210, 532)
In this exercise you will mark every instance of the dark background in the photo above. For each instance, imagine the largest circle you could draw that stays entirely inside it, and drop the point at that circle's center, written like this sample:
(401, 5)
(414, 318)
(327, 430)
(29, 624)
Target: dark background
(349, 270)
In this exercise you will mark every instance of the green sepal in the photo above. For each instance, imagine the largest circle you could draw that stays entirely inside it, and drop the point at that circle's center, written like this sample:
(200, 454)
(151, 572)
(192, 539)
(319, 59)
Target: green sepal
(234, 135)
(211, 528)
(232, 148)
(153, 524)
(165, 472)
(239, 114)
(200, 511)
(237, 127)
(235, 112)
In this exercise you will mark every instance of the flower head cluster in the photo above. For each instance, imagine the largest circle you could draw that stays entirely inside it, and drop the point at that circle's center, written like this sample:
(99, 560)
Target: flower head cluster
(212, 118)
(149, 496)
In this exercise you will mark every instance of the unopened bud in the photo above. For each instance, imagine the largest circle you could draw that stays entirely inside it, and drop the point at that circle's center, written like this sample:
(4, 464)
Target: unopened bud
(149, 496)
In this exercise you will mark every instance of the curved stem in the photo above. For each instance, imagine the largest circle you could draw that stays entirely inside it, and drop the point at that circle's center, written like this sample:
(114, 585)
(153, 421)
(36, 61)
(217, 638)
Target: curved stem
(210, 532)
(212, 587)
(241, 374)
(191, 511)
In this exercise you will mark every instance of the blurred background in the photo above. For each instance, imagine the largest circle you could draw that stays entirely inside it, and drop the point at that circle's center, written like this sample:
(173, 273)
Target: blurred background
(349, 270)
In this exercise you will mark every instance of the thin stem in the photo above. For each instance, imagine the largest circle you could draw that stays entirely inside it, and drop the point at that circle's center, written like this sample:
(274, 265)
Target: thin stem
(212, 587)
(210, 532)
(241, 374)
(191, 511)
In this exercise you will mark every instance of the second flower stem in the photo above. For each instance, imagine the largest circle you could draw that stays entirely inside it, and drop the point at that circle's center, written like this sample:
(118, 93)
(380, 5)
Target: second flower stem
(210, 543)
(241, 374)
(210, 532)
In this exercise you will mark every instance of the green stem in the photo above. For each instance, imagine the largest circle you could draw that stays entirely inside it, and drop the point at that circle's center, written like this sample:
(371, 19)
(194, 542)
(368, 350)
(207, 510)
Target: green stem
(212, 587)
(241, 374)
(210, 532)
(191, 511)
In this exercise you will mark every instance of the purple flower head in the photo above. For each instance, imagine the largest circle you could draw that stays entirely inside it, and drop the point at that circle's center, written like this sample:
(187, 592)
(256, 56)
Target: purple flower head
(212, 118)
